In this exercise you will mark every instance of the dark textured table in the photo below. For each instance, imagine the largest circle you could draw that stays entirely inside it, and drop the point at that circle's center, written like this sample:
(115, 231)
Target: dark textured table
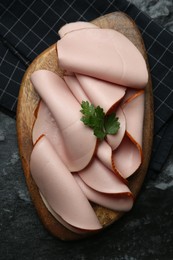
(146, 232)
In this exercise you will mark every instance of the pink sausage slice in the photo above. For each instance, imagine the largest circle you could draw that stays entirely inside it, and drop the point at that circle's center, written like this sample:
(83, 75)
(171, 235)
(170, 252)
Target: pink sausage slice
(70, 27)
(120, 202)
(127, 158)
(104, 154)
(102, 179)
(75, 87)
(104, 54)
(59, 188)
(133, 109)
(78, 139)
(46, 125)
(101, 93)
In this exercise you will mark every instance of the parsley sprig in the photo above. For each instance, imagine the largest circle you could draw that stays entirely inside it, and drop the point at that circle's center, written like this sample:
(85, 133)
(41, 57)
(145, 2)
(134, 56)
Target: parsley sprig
(95, 118)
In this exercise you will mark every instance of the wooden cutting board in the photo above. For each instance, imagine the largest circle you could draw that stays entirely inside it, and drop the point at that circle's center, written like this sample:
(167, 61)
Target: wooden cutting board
(28, 101)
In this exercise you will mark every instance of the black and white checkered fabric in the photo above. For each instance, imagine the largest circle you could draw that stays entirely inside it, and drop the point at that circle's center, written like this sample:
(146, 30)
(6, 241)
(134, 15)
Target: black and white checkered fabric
(29, 27)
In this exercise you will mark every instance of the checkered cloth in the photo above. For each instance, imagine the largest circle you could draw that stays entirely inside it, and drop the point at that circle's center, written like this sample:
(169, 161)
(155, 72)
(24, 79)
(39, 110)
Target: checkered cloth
(29, 27)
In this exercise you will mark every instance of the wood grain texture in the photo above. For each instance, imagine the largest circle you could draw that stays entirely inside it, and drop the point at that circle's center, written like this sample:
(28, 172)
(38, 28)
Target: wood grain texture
(28, 101)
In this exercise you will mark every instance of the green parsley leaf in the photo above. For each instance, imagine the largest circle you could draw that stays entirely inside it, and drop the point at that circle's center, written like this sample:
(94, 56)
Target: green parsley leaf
(111, 124)
(88, 111)
(96, 119)
(99, 133)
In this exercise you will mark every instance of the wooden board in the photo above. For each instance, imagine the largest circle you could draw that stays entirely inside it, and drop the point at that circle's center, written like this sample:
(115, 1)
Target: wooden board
(27, 103)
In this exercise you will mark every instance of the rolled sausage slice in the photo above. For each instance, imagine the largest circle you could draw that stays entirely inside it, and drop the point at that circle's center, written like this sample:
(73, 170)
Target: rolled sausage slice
(59, 188)
(120, 202)
(104, 54)
(79, 141)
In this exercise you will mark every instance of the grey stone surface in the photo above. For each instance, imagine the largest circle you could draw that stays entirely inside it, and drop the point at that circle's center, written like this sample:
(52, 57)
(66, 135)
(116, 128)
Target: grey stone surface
(144, 233)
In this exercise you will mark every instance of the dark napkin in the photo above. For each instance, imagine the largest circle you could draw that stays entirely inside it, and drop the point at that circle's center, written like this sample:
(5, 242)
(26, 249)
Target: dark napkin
(29, 27)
